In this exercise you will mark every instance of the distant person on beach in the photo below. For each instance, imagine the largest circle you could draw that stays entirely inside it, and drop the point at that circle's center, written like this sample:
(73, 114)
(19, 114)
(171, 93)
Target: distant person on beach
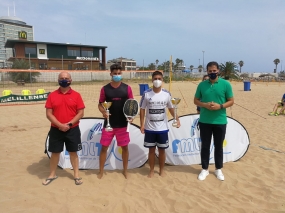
(64, 109)
(277, 105)
(213, 96)
(205, 77)
(116, 92)
(153, 121)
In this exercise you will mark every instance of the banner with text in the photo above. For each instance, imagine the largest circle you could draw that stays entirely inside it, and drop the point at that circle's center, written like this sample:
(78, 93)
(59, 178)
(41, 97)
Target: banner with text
(91, 130)
(185, 142)
(23, 98)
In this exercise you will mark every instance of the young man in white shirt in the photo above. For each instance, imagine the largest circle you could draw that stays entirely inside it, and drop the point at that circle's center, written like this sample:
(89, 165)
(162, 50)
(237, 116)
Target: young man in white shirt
(154, 122)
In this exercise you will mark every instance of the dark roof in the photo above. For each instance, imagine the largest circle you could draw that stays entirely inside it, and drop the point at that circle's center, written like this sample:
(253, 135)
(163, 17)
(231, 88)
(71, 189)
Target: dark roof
(10, 44)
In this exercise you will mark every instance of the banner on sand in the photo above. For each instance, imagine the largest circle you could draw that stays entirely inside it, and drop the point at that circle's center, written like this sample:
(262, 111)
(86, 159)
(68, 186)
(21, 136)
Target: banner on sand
(185, 142)
(91, 130)
(184, 145)
(23, 98)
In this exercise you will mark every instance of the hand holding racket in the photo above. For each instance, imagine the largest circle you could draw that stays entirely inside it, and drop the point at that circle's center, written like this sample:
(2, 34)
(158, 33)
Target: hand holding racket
(130, 109)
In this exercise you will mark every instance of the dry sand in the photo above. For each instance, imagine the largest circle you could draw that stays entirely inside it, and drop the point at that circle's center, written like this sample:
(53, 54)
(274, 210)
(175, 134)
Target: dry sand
(255, 183)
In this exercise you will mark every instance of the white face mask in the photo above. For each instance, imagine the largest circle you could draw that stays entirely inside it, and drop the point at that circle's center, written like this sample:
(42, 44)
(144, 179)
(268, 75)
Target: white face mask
(157, 83)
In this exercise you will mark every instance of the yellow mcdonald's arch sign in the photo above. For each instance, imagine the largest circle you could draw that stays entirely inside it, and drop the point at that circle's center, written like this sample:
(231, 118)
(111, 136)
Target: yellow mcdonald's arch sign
(42, 51)
(22, 34)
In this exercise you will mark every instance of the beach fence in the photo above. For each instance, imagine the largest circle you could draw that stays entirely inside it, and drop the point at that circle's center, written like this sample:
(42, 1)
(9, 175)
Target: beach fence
(87, 82)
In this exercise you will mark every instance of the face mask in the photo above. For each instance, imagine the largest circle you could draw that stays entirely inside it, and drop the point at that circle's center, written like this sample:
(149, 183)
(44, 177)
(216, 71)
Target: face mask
(213, 75)
(117, 78)
(64, 83)
(157, 83)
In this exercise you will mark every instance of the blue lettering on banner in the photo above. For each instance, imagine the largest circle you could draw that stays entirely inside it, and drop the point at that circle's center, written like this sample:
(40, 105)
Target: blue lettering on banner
(89, 149)
(186, 145)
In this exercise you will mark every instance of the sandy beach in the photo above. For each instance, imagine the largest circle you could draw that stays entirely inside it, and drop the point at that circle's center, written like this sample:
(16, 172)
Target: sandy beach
(255, 183)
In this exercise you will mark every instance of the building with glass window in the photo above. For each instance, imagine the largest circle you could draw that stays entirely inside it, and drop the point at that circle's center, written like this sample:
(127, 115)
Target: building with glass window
(58, 56)
(12, 27)
(127, 64)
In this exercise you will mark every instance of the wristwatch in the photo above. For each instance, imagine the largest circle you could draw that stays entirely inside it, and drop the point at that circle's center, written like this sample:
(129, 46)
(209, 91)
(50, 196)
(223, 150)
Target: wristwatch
(70, 124)
(221, 105)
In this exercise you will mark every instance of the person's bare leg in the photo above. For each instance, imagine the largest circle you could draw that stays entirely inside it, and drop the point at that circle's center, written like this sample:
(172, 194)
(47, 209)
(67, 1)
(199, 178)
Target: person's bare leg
(276, 107)
(161, 158)
(282, 110)
(75, 164)
(151, 161)
(102, 159)
(53, 165)
(125, 157)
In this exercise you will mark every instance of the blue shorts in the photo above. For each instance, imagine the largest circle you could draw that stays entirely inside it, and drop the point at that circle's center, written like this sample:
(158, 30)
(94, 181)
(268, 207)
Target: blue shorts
(156, 139)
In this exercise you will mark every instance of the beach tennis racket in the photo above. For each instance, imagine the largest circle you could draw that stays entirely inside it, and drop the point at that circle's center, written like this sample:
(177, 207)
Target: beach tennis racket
(130, 109)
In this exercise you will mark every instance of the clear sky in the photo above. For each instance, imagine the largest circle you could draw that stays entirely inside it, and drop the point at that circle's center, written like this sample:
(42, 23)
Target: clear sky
(146, 30)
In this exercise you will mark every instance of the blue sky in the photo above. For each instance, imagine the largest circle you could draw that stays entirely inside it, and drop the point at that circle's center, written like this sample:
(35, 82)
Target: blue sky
(146, 30)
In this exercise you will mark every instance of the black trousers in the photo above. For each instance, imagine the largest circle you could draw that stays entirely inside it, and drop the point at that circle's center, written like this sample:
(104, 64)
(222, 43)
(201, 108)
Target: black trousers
(206, 132)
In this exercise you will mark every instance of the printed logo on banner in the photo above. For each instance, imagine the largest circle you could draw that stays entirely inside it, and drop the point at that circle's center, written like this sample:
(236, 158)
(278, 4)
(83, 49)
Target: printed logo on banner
(86, 148)
(90, 150)
(192, 145)
(95, 130)
(91, 131)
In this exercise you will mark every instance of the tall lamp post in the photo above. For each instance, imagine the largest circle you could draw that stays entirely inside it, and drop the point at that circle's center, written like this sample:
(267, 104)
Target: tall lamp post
(203, 61)
(30, 68)
(91, 64)
(62, 62)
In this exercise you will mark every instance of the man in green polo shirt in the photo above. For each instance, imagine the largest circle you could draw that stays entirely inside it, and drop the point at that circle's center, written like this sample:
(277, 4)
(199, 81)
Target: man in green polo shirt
(213, 96)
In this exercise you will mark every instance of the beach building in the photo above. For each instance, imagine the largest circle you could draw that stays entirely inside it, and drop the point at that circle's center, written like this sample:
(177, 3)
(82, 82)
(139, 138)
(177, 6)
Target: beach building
(12, 27)
(58, 56)
(127, 64)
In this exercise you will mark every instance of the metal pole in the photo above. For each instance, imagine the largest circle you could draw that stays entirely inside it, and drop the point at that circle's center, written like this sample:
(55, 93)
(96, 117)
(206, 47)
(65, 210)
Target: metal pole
(203, 61)
(30, 68)
(91, 64)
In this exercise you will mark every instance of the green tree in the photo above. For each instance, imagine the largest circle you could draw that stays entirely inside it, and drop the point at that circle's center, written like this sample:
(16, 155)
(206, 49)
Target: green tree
(151, 66)
(178, 62)
(156, 62)
(191, 67)
(229, 70)
(23, 76)
(200, 68)
(276, 62)
(240, 63)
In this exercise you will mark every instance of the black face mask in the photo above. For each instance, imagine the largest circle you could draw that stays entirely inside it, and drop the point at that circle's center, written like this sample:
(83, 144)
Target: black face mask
(64, 83)
(213, 75)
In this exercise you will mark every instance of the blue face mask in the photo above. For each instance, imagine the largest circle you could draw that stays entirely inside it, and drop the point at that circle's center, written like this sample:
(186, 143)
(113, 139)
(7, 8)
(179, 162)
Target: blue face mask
(117, 78)
(213, 75)
(64, 83)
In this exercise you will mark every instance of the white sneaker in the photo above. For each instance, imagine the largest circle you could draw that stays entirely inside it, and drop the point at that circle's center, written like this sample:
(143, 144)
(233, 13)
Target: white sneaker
(203, 174)
(219, 174)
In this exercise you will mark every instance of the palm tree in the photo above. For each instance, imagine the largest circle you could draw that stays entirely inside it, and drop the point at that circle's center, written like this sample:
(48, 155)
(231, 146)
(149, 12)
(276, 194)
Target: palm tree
(200, 68)
(191, 67)
(276, 62)
(228, 70)
(240, 63)
(156, 62)
(151, 66)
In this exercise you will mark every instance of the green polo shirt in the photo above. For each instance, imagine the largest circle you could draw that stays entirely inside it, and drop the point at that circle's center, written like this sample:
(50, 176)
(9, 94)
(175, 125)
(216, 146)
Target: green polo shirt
(217, 92)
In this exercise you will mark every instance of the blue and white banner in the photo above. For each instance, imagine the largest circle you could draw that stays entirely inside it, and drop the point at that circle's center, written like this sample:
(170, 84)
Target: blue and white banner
(185, 142)
(91, 130)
